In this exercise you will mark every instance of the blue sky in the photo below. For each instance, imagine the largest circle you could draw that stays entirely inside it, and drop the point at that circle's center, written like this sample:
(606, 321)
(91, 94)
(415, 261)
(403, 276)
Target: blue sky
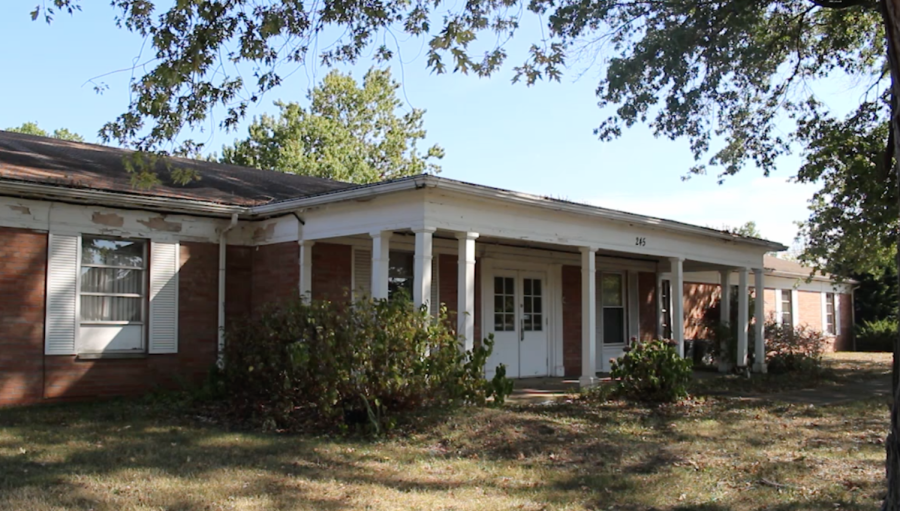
(533, 139)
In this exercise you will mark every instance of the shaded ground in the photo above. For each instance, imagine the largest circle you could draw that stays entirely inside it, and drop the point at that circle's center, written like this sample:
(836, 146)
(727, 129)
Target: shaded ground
(707, 454)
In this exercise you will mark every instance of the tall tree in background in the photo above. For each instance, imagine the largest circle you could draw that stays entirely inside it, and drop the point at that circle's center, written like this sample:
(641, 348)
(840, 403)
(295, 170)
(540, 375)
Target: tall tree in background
(32, 128)
(349, 132)
(722, 73)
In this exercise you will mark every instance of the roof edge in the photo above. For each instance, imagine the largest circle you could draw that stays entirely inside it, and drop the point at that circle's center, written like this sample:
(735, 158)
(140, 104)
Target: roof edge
(117, 199)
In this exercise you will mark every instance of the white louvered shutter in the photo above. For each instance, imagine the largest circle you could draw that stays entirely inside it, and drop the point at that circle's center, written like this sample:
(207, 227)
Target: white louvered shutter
(435, 300)
(362, 274)
(62, 294)
(164, 265)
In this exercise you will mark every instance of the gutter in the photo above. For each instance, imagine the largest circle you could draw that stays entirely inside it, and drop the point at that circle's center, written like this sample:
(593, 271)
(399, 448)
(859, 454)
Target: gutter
(113, 199)
(223, 245)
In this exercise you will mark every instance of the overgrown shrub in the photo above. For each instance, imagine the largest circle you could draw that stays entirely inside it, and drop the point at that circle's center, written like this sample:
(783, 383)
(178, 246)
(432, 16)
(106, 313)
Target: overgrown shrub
(340, 364)
(876, 335)
(796, 349)
(651, 371)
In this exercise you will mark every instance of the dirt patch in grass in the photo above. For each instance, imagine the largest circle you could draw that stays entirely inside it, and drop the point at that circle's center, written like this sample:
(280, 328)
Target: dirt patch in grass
(705, 454)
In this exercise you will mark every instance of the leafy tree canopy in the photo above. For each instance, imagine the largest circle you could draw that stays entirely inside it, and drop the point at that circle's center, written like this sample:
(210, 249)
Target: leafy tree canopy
(349, 132)
(32, 128)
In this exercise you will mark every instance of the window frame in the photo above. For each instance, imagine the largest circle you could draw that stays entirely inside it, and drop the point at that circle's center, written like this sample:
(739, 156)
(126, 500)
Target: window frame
(789, 311)
(623, 290)
(830, 328)
(143, 296)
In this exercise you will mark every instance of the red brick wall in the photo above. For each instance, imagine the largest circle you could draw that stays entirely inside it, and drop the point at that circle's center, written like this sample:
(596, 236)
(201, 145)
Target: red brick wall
(571, 291)
(809, 310)
(23, 263)
(238, 282)
(647, 309)
(697, 298)
(68, 378)
(332, 269)
(275, 273)
(844, 341)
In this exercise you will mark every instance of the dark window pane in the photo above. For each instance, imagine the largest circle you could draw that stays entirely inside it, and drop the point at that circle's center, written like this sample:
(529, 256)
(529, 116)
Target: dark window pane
(110, 308)
(498, 322)
(537, 287)
(612, 289)
(498, 304)
(400, 273)
(527, 286)
(111, 280)
(536, 305)
(510, 305)
(498, 285)
(527, 304)
(510, 286)
(613, 326)
(510, 322)
(537, 322)
(109, 252)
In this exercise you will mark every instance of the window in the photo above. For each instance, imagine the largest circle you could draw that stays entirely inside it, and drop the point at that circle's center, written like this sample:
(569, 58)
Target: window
(504, 304)
(787, 307)
(533, 319)
(666, 298)
(829, 314)
(113, 287)
(612, 287)
(400, 273)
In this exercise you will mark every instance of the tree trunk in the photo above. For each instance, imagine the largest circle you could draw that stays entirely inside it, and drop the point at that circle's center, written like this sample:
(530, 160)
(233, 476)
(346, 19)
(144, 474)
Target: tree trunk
(890, 10)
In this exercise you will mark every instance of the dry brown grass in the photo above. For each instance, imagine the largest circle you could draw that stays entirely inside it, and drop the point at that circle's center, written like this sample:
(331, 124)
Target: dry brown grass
(703, 455)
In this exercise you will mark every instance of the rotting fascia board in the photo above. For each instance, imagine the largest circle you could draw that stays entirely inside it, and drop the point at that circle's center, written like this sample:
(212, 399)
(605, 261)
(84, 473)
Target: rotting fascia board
(368, 192)
(113, 199)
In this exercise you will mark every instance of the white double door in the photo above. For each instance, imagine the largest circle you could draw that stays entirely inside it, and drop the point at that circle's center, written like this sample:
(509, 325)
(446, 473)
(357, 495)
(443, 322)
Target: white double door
(520, 323)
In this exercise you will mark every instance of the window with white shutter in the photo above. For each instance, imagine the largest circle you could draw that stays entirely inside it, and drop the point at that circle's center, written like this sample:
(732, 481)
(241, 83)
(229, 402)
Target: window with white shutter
(62, 294)
(112, 295)
(164, 266)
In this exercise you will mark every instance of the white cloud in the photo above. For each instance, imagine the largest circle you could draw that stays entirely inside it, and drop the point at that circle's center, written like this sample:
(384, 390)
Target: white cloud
(774, 204)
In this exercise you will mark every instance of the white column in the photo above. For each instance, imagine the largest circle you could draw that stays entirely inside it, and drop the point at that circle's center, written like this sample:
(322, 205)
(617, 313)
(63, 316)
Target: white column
(742, 327)
(306, 269)
(759, 364)
(588, 317)
(422, 267)
(381, 249)
(466, 290)
(659, 305)
(678, 302)
(725, 315)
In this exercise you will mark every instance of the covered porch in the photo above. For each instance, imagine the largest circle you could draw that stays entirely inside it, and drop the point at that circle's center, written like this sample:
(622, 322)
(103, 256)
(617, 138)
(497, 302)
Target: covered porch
(561, 287)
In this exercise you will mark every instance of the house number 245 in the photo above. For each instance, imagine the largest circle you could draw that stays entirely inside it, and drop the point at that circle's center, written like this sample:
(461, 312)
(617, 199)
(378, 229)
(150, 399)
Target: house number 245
(640, 242)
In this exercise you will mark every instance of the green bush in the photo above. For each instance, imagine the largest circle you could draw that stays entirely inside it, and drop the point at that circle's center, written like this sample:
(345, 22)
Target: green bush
(790, 350)
(652, 371)
(341, 364)
(878, 335)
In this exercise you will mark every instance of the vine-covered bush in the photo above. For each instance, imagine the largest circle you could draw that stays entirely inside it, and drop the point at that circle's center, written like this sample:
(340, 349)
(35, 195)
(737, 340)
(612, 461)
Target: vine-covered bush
(876, 335)
(798, 349)
(652, 371)
(341, 365)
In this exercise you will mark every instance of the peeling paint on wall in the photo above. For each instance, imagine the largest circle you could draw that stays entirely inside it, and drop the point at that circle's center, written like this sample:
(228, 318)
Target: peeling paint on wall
(159, 223)
(110, 219)
(21, 209)
(264, 233)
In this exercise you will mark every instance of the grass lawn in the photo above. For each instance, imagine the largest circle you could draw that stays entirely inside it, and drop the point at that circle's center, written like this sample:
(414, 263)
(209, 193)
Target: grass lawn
(707, 454)
(840, 368)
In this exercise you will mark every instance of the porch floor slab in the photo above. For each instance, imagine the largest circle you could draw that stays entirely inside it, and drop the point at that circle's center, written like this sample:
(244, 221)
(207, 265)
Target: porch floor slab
(545, 389)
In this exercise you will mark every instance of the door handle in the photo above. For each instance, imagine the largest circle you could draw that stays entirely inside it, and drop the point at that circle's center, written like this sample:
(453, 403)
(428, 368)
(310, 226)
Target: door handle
(521, 330)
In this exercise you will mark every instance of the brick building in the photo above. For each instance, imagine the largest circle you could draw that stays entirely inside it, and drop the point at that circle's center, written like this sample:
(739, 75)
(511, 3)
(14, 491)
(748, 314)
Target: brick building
(107, 289)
